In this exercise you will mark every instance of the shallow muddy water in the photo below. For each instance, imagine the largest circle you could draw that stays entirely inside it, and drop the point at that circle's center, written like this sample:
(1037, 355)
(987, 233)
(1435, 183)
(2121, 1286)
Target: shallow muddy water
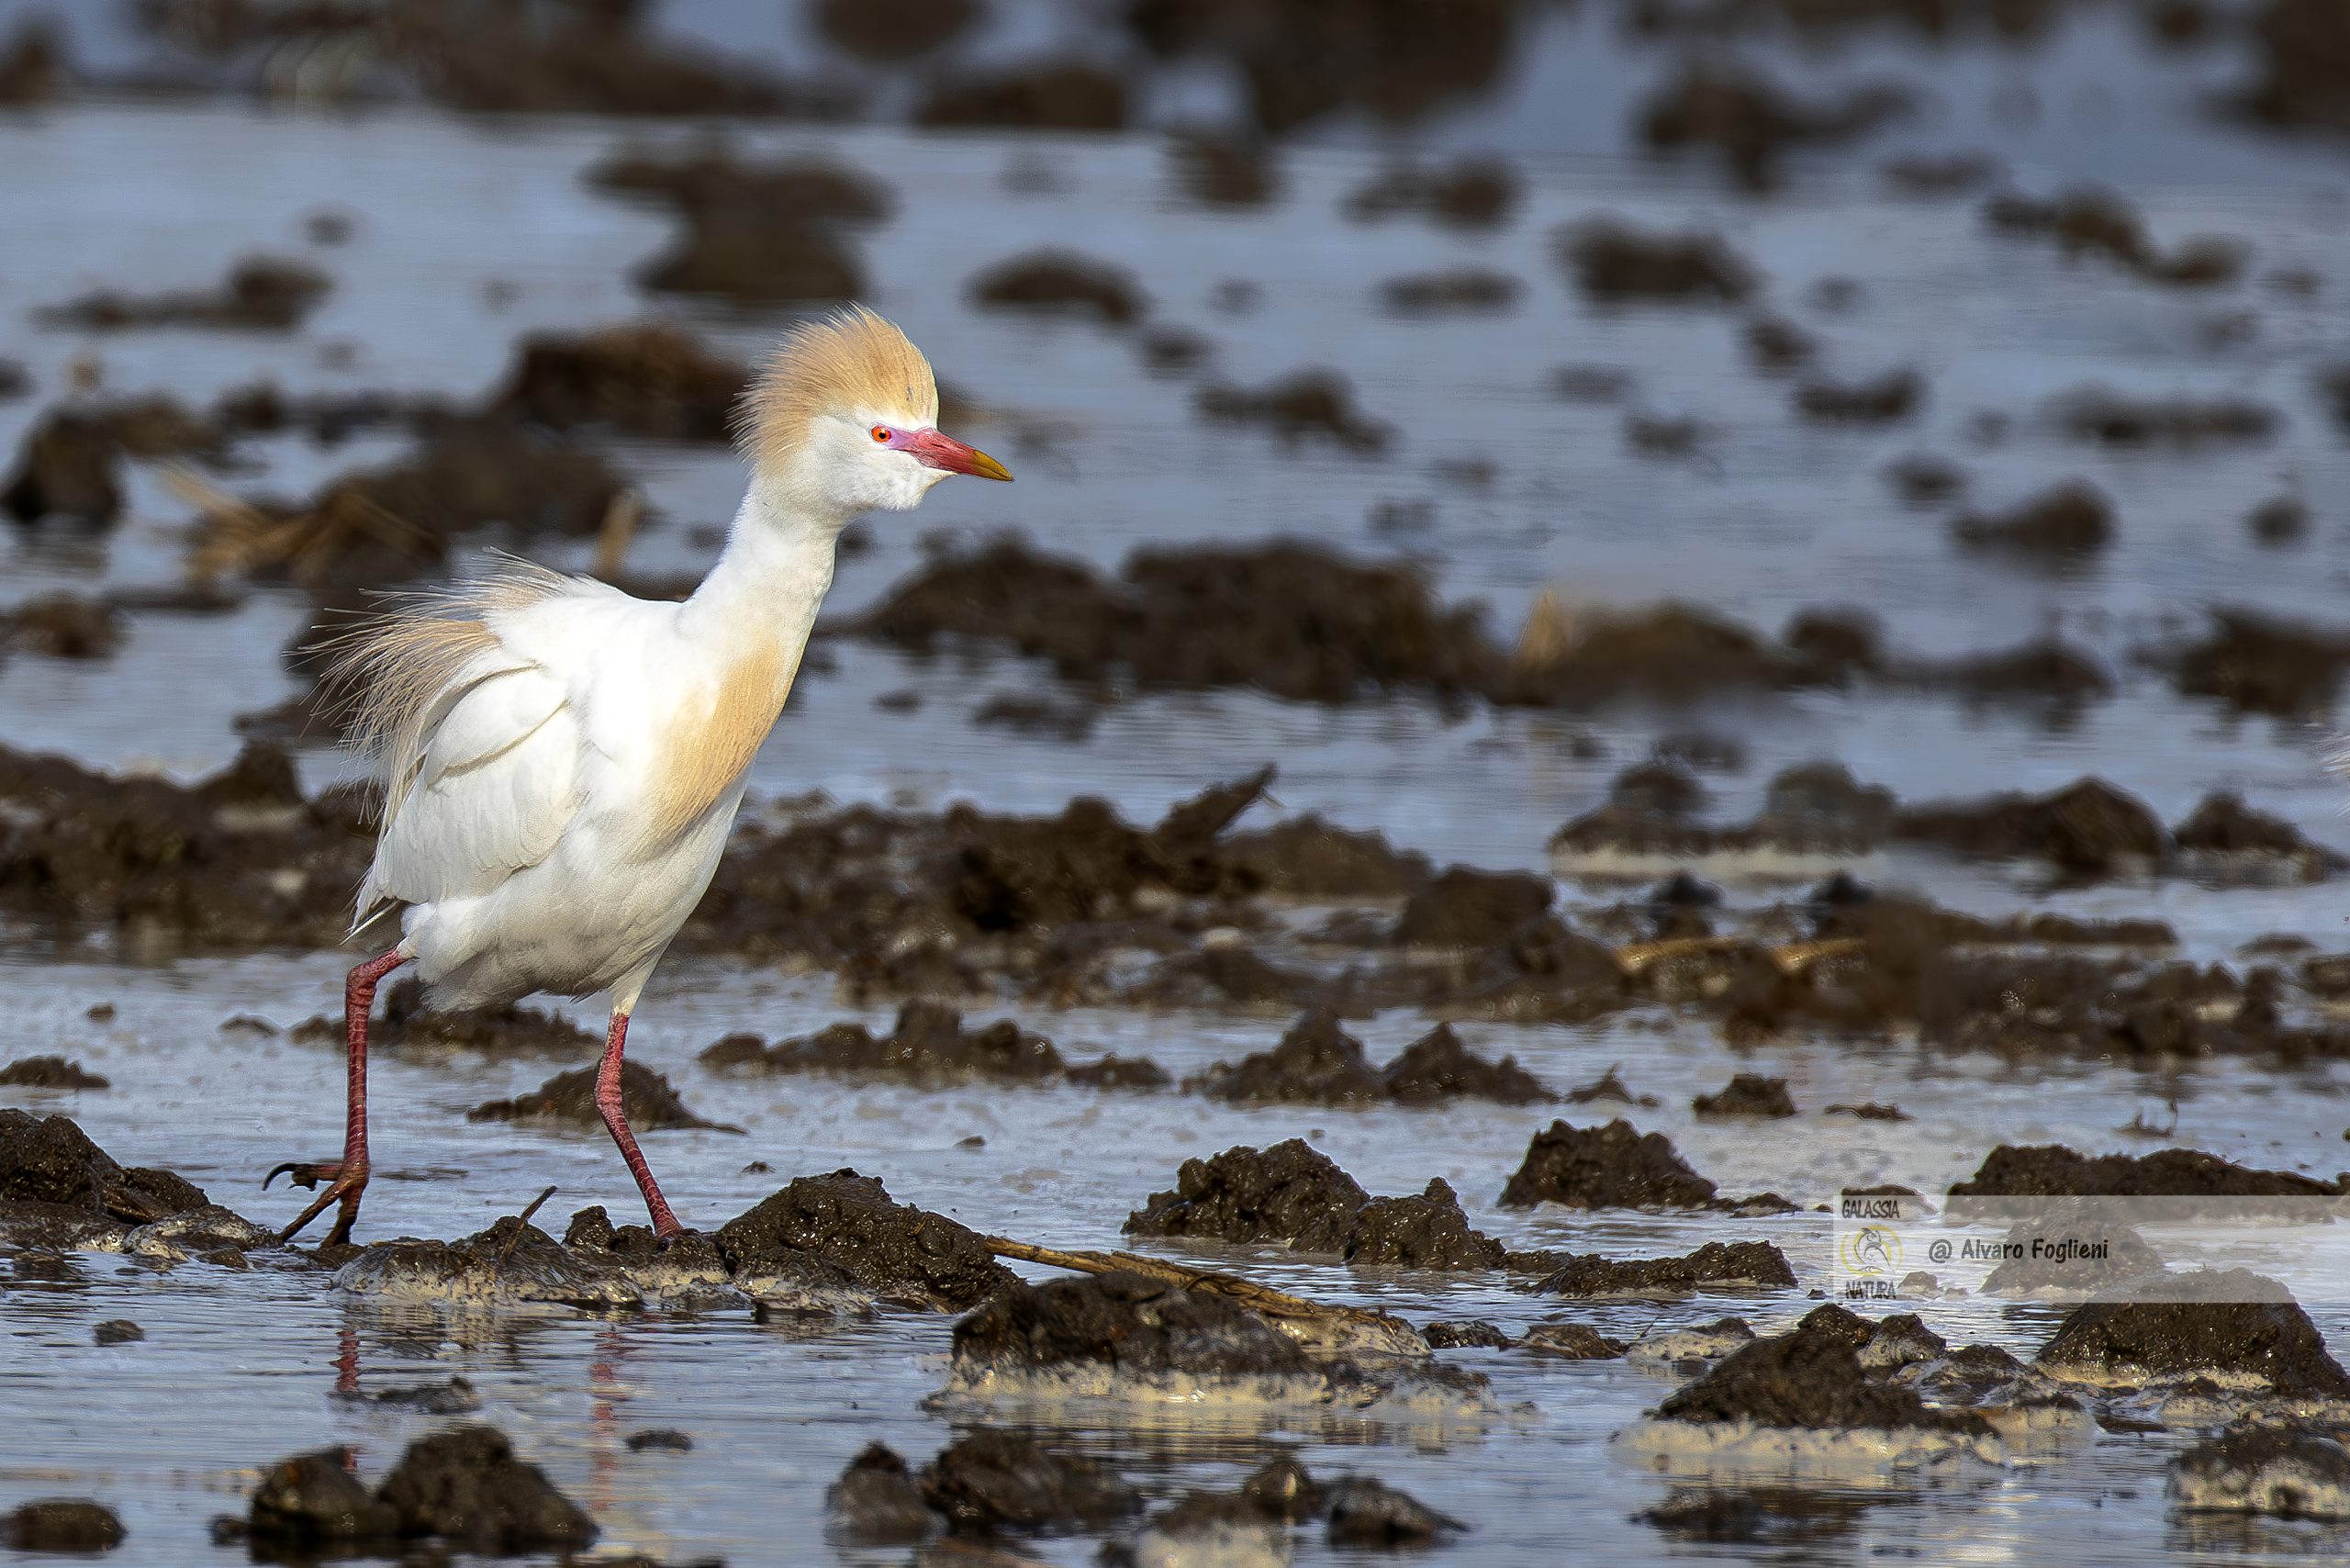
(470, 233)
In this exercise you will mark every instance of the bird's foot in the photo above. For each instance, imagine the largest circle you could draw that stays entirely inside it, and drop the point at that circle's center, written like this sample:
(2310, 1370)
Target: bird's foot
(345, 1180)
(674, 1236)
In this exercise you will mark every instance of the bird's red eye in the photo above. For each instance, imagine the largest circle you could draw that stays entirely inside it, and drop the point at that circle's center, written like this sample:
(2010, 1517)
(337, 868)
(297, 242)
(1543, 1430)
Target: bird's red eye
(881, 434)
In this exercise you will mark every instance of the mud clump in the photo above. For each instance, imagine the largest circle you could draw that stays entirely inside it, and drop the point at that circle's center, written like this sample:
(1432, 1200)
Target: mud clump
(1318, 1063)
(931, 1046)
(265, 293)
(647, 1098)
(752, 233)
(1127, 1335)
(1750, 123)
(1466, 909)
(62, 1524)
(2087, 829)
(1367, 1513)
(312, 1503)
(1427, 1231)
(2066, 525)
(2233, 1325)
(1610, 1167)
(2256, 663)
(1615, 263)
(49, 1073)
(994, 1480)
(2051, 1170)
(1306, 404)
(1746, 1094)
(1291, 618)
(876, 1503)
(1458, 289)
(1222, 168)
(1879, 401)
(62, 626)
(1737, 1265)
(1071, 94)
(645, 378)
(1811, 1377)
(34, 66)
(1468, 193)
(2288, 1471)
(68, 466)
(846, 1224)
(2224, 837)
(2090, 222)
(2106, 417)
(892, 32)
(1301, 62)
(52, 1172)
(465, 1485)
(1060, 282)
(2304, 48)
(1291, 1192)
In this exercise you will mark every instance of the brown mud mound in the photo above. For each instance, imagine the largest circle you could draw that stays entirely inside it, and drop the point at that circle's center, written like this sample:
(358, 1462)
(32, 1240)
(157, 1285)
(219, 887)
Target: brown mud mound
(511, 1262)
(2225, 839)
(49, 1073)
(466, 1487)
(1060, 282)
(647, 1098)
(1473, 192)
(1811, 812)
(2051, 1170)
(1427, 1231)
(1291, 1192)
(1616, 264)
(846, 1223)
(1222, 168)
(1301, 62)
(56, 1183)
(2107, 418)
(261, 294)
(1452, 290)
(1466, 909)
(1055, 94)
(2234, 1326)
(2087, 829)
(876, 1502)
(1128, 1335)
(1746, 1094)
(712, 176)
(641, 378)
(994, 1480)
(74, 1525)
(2066, 526)
(1318, 1063)
(1610, 1167)
(313, 1505)
(1304, 405)
(1750, 123)
(69, 465)
(2091, 221)
(892, 32)
(1768, 1516)
(752, 233)
(1365, 1512)
(62, 626)
(488, 56)
(2288, 1471)
(2304, 66)
(1718, 1265)
(1811, 1378)
(1880, 399)
(931, 1046)
(2256, 663)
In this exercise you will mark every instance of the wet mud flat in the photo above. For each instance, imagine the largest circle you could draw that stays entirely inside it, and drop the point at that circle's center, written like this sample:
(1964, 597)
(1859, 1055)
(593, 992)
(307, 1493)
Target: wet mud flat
(1397, 815)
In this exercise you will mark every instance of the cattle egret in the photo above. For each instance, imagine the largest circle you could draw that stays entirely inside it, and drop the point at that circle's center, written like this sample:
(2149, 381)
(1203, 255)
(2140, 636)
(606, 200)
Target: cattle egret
(563, 762)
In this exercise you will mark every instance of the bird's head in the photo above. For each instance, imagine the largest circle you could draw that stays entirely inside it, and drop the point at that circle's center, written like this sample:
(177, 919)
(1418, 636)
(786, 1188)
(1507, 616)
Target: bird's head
(842, 418)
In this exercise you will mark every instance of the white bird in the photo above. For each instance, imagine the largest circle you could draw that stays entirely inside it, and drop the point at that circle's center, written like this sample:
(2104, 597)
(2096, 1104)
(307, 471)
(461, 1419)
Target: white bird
(563, 762)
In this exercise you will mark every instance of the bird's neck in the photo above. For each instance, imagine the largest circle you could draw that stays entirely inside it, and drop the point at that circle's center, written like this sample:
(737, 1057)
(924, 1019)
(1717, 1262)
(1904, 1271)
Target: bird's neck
(769, 581)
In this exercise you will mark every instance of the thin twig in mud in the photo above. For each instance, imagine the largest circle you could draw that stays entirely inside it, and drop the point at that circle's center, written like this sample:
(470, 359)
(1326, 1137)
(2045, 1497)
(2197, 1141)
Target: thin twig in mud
(521, 1224)
(1792, 958)
(1356, 1328)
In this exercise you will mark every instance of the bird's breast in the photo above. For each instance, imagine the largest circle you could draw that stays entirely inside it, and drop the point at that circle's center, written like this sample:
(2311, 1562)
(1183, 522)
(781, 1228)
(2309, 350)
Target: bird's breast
(706, 740)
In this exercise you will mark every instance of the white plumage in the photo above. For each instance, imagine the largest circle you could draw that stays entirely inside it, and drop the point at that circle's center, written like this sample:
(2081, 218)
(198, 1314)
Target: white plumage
(563, 762)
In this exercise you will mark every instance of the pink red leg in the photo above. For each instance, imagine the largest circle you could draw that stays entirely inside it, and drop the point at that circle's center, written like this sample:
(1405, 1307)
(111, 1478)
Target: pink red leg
(345, 1179)
(608, 1104)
